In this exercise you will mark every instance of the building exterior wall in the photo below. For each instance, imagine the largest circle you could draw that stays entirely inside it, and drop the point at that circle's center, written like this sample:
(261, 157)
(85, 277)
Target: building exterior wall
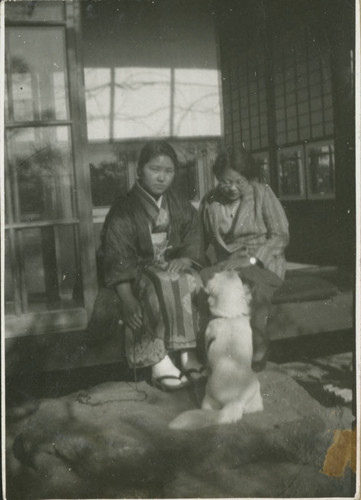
(279, 97)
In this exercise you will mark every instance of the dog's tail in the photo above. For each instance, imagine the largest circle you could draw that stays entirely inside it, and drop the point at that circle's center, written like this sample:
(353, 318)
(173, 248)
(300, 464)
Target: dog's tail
(230, 413)
(196, 419)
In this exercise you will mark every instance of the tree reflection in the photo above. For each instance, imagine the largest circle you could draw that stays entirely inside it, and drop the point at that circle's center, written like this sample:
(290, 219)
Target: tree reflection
(130, 102)
(108, 180)
(42, 178)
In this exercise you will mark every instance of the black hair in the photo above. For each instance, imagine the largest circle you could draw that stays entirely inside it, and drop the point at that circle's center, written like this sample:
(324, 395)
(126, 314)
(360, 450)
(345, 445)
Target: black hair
(237, 159)
(155, 148)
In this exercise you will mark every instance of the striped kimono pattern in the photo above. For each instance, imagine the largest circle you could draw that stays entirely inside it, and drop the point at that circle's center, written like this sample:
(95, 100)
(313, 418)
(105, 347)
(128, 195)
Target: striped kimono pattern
(170, 315)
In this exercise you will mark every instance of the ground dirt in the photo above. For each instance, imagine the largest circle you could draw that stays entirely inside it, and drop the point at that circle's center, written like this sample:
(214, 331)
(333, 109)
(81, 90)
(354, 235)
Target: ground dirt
(112, 441)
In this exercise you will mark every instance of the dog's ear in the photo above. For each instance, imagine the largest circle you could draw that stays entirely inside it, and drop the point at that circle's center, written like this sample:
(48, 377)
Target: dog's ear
(208, 286)
(231, 274)
(212, 283)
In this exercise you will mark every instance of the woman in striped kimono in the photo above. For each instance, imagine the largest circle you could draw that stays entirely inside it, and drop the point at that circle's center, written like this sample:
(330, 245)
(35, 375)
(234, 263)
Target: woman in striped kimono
(150, 246)
(245, 228)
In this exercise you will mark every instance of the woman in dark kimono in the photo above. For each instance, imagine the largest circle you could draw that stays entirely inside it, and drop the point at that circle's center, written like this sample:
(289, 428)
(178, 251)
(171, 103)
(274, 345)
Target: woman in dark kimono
(245, 228)
(150, 243)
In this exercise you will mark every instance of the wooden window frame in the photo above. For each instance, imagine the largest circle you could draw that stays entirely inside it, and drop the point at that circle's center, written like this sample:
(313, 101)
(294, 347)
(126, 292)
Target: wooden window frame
(317, 196)
(261, 156)
(306, 195)
(76, 318)
(302, 173)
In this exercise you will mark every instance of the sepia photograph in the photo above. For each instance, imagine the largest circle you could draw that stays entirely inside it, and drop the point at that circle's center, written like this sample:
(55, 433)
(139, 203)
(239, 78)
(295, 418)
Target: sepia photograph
(180, 249)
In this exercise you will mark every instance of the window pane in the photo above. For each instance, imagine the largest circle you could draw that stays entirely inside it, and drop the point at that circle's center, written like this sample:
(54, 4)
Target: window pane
(98, 89)
(186, 180)
(262, 161)
(108, 175)
(142, 102)
(28, 10)
(41, 167)
(49, 267)
(292, 136)
(321, 162)
(291, 172)
(37, 74)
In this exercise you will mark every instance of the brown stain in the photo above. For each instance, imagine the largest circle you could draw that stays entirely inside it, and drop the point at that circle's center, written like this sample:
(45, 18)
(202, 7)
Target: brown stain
(341, 453)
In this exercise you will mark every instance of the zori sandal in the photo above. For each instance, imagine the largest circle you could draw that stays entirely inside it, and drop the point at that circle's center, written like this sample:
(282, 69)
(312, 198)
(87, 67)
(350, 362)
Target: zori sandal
(160, 383)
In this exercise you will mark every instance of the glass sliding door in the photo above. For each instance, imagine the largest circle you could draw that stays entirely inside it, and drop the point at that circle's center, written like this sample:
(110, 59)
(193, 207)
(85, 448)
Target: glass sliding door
(48, 230)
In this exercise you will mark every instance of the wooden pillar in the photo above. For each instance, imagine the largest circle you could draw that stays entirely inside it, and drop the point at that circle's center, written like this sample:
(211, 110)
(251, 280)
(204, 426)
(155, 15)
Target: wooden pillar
(342, 49)
(268, 35)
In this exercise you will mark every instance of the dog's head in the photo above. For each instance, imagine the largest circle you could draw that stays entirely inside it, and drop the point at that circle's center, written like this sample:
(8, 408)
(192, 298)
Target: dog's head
(228, 297)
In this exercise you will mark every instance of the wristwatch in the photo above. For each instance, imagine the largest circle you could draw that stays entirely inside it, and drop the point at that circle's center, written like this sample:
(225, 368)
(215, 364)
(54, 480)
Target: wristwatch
(255, 262)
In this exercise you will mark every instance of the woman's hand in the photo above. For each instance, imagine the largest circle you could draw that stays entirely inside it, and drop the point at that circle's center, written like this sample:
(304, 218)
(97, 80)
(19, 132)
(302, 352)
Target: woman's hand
(132, 313)
(178, 265)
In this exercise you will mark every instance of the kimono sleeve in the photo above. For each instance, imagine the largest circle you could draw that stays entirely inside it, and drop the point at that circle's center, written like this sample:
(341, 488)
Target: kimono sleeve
(190, 233)
(207, 251)
(277, 228)
(120, 257)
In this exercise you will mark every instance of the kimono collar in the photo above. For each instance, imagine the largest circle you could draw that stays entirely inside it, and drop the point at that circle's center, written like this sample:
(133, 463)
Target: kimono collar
(212, 208)
(152, 209)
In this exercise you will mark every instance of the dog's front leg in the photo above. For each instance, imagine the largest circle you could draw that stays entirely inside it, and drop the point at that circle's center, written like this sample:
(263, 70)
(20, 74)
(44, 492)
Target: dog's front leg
(232, 412)
(209, 403)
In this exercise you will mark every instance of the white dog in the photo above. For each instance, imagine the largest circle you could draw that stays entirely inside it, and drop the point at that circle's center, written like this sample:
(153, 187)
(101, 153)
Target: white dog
(232, 387)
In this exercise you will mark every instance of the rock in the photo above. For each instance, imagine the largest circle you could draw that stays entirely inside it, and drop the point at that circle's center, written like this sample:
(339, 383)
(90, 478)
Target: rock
(113, 442)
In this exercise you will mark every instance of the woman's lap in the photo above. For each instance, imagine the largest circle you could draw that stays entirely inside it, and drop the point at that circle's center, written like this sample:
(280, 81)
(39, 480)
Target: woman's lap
(254, 275)
(173, 312)
(170, 318)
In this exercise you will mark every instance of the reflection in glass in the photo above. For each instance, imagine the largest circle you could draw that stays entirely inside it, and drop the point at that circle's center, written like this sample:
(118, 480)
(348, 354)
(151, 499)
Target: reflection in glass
(28, 10)
(142, 102)
(37, 73)
(108, 177)
(262, 161)
(21, 88)
(40, 164)
(321, 165)
(186, 179)
(50, 267)
(124, 103)
(8, 281)
(291, 173)
(97, 99)
(196, 103)
(60, 102)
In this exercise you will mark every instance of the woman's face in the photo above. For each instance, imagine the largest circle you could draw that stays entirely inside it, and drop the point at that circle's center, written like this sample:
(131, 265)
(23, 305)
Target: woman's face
(157, 175)
(232, 184)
